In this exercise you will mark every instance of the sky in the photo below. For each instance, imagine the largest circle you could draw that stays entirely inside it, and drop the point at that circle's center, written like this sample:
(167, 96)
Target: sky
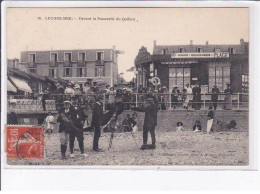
(31, 29)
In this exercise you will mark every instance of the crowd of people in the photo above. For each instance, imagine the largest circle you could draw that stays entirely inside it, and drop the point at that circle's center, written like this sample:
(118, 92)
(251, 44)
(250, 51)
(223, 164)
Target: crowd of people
(83, 95)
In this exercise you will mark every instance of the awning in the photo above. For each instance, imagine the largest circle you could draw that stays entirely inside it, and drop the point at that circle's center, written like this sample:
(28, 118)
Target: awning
(21, 84)
(10, 87)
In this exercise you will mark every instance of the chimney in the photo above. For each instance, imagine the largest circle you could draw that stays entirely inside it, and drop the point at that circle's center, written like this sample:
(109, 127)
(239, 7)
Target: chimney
(207, 42)
(191, 42)
(154, 42)
(242, 42)
(114, 47)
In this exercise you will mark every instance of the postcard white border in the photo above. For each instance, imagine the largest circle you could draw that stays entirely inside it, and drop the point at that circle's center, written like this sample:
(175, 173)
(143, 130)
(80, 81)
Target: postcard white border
(13, 173)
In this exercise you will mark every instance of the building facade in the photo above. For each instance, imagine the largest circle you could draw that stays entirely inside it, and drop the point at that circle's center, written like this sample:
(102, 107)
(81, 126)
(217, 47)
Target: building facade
(207, 65)
(100, 65)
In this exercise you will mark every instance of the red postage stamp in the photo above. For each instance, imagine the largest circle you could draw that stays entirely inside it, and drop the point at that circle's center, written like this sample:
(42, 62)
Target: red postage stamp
(24, 141)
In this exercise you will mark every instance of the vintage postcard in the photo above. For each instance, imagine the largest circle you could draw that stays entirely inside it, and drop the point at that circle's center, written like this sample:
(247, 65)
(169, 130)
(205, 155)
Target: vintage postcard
(126, 86)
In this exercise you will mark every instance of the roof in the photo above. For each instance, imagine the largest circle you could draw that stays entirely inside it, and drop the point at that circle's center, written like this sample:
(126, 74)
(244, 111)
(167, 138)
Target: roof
(193, 48)
(18, 73)
(36, 76)
(67, 50)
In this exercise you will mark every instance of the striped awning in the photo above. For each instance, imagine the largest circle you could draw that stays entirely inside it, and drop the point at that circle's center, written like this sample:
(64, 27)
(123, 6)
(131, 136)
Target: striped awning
(11, 87)
(21, 84)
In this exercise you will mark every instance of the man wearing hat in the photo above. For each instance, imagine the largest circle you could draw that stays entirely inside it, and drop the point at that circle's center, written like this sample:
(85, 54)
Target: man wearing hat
(214, 96)
(66, 114)
(97, 116)
(11, 116)
(79, 122)
(150, 121)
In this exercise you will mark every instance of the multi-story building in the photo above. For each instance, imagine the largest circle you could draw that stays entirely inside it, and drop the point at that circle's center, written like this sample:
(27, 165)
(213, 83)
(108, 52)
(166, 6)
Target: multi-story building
(100, 65)
(207, 65)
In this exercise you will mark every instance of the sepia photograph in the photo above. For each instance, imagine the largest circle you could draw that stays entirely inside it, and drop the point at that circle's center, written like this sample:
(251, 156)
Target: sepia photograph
(127, 86)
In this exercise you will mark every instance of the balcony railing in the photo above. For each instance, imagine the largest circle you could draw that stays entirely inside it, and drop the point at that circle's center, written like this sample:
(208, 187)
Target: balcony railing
(67, 63)
(53, 63)
(32, 64)
(100, 62)
(81, 63)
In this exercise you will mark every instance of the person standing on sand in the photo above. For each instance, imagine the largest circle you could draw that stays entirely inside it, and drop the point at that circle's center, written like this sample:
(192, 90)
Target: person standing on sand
(96, 124)
(210, 118)
(150, 121)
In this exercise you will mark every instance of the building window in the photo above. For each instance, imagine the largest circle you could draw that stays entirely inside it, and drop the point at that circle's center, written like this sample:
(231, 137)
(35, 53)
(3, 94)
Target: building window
(179, 77)
(67, 72)
(32, 58)
(80, 72)
(53, 73)
(100, 55)
(164, 51)
(54, 57)
(219, 76)
(217, 50)
(100, 72)
(199, 50)
(82, 57)
(181, 50)
(245, 83)
(67, 56)
(32, 70)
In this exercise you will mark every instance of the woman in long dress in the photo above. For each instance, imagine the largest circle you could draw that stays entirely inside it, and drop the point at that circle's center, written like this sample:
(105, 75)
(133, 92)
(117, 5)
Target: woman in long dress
(228, 99)
(111, 97)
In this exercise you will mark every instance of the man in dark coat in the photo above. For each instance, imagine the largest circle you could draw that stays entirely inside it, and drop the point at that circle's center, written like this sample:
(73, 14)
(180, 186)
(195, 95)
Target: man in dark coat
(44, 98)
(150, 121)
(97, 116)
(214, 96)
(196, 91)
(67, 117)
(79, 123)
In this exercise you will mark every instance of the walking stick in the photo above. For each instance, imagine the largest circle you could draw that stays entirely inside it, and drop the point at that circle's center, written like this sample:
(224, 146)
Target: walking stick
(134, 139)
(111, 139)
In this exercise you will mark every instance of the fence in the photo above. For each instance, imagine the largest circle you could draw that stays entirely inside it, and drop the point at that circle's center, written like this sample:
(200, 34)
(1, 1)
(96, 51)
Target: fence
(166, 101)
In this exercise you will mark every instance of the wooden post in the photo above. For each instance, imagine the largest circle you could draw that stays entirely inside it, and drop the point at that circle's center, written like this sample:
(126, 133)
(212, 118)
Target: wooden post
(104, 102)
(136, 99)
(238, 101)
(170, 101)
(204, 101)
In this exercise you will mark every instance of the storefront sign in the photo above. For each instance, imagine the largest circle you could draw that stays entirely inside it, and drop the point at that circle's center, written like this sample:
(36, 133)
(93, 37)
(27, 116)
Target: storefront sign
(200, 55)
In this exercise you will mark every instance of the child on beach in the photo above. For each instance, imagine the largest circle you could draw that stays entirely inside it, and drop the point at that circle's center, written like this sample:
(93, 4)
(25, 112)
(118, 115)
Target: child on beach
(49, 123)
(179, 126)
(197, 127)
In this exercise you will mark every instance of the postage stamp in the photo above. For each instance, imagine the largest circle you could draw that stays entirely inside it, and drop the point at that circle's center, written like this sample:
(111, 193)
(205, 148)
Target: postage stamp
(24, 141)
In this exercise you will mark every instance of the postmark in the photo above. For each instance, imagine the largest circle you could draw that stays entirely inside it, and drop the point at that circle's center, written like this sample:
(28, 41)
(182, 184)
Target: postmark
(24, 141)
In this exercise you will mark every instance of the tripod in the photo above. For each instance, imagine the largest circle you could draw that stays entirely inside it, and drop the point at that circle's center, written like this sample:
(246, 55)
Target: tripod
(128, 125)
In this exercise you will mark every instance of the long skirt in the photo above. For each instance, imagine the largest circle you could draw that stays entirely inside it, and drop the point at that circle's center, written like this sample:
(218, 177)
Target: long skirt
(209, 125)
(227, 102)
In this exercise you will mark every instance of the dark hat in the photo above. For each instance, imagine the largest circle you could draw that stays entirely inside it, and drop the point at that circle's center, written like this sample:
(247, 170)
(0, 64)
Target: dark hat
(179, 124)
